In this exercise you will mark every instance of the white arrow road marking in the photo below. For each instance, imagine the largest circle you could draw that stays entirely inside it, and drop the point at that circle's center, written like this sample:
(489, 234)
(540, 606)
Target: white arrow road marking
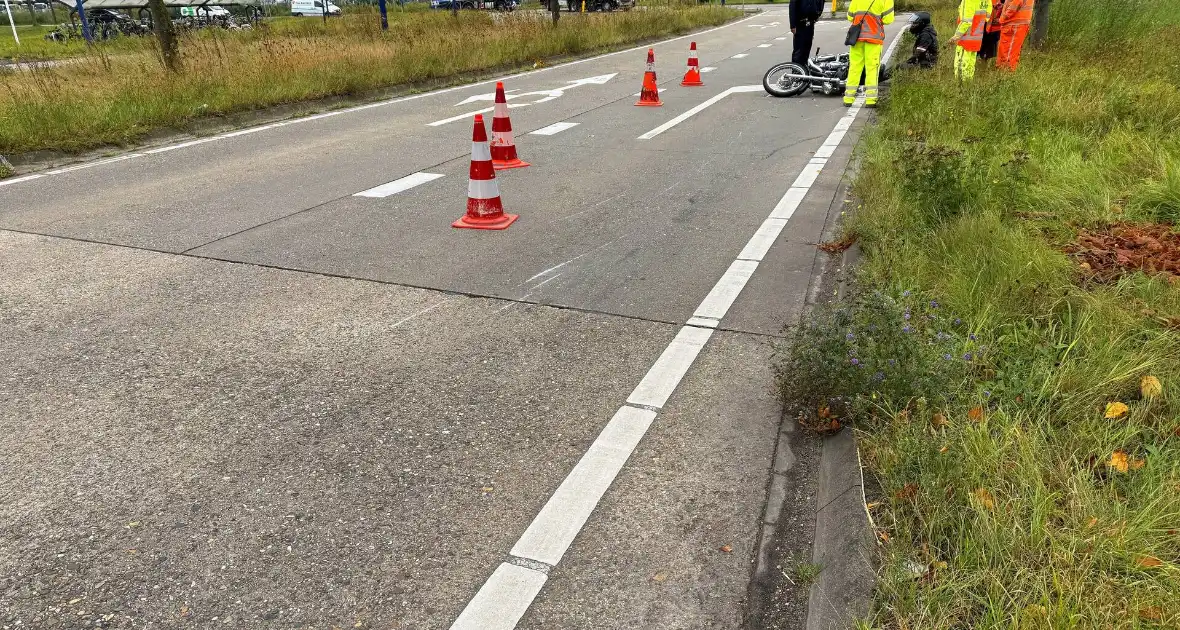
(459, 117)
(548, 94)
(698, 109)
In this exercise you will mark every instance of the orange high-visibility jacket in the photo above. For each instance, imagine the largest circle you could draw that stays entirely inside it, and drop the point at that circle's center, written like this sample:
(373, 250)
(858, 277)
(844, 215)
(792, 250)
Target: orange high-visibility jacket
(872, 15)
(973, 16)
(1017, 13)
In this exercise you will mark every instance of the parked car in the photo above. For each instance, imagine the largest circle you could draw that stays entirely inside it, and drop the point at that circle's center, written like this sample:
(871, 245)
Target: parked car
(313, 8)
(40, 6)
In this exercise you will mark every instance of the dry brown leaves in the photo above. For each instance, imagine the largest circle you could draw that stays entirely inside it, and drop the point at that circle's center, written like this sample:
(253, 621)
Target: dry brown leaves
(1108, 254)
(836, 247)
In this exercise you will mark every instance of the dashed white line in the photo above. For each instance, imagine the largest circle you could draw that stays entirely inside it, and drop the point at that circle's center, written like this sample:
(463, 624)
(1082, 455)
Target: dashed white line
(553, 129)
(764, 45)
(741, 55)
(398, 185)
(696, 110)
(707, 69)
(780, 39)
(506, 595)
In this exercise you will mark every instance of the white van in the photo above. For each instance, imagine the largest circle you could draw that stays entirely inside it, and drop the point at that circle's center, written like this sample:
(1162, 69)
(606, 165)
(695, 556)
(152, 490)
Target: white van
(312, 8)
(205, 11)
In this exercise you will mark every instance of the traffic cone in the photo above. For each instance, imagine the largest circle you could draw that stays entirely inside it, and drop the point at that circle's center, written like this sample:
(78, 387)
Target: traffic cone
(484, 211)
(503, 149)
(649, 96)
(693, 76)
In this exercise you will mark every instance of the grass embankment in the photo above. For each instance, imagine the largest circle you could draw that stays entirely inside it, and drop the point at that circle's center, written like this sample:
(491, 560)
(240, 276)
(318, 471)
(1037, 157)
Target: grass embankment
(109, 99)
(1017, 490)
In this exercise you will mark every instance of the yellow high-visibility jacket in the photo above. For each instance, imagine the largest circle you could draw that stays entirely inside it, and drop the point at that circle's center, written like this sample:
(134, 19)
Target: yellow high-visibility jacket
(973, 17)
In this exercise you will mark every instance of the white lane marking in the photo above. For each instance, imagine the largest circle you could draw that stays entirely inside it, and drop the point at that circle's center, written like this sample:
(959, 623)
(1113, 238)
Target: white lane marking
(548, 95)
(788, 203)
(706, 322)
(558, 523)
(554, 129)
(780, 39)
(78, 167)
(696, 110)
(764, 45)
(398, 185)
(717, 303)
(502, 600)
(402, 99)
(741, 55)
(452, 119)
(707, 69)
(663, 377)
(763, 239)
(23, 178)
(809, 174)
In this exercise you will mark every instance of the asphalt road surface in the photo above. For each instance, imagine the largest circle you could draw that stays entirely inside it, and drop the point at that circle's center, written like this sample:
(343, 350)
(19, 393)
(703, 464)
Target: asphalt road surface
(235, 393)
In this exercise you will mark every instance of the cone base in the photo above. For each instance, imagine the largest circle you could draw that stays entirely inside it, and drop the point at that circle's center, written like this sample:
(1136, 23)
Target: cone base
(649, 104)
(498, 223)
(691, 83)
(500, 165)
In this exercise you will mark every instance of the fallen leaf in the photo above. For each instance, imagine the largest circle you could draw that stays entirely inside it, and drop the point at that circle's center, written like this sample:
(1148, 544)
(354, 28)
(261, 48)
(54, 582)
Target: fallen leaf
(939, 420)
(1118, 461)
(825, 412)
(1116, 410)
(1150, 386)
(874, 504)
(944, 449)
(985, 498)
(976, 414)
(184, 611)
(486, 489)
(1137, 463)
(659, 577)
(907, 491)
(727, 548)
(1151, 613)
(1092, 522)
(1149, 562)
(884, 536)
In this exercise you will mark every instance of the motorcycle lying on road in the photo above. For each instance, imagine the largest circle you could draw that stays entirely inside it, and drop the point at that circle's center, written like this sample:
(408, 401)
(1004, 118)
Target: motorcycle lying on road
(824, 73)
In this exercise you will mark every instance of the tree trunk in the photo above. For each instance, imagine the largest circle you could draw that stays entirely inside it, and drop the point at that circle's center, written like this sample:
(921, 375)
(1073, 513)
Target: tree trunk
(1040, 28)
(162, 26)
(32, 11)
(53, 11)
(555, 6)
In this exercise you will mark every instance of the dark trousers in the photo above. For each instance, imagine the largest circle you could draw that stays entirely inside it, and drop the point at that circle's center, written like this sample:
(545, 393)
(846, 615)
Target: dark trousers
(991, 41)
(804, 35)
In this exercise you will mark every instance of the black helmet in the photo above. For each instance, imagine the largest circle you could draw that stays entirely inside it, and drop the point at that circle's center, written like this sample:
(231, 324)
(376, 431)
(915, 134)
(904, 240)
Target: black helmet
(921, 21)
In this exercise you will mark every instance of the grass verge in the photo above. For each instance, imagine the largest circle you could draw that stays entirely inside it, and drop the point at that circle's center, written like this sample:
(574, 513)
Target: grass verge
(1019, 410)
(106, 98)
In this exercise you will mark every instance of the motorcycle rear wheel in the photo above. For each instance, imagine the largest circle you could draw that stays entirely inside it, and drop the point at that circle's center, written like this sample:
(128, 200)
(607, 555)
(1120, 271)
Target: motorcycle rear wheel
(776, 84)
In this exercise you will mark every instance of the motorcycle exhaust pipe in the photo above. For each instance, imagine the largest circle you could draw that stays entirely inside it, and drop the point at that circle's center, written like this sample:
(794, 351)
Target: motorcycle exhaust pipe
(797, 76)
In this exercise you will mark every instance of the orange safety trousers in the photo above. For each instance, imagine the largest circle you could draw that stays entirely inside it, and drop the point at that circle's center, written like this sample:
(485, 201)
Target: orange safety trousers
(1011, 41)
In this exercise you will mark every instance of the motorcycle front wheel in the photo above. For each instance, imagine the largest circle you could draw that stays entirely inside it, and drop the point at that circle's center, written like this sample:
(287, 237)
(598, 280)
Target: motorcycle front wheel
(777, 81)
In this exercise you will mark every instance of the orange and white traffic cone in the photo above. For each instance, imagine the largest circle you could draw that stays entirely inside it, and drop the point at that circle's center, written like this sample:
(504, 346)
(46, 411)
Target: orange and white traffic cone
(484, 211)
(693, 76)
(649, 96)
(503, 148)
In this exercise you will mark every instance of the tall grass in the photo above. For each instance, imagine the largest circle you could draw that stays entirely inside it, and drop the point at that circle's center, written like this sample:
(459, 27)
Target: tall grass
(103, 99)
(1006, 508)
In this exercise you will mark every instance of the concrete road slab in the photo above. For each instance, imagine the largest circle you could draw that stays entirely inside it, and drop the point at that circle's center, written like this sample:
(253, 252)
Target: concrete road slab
(187, 440)
(660, 564)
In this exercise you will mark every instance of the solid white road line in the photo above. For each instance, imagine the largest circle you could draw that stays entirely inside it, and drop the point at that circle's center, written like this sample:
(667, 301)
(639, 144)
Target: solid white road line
(398, 185)
(696, 110)
(401, 99)
(506, 595)
(558, 523)
(503, 600)
(553, 129)
(741, 55)
(665, 374)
